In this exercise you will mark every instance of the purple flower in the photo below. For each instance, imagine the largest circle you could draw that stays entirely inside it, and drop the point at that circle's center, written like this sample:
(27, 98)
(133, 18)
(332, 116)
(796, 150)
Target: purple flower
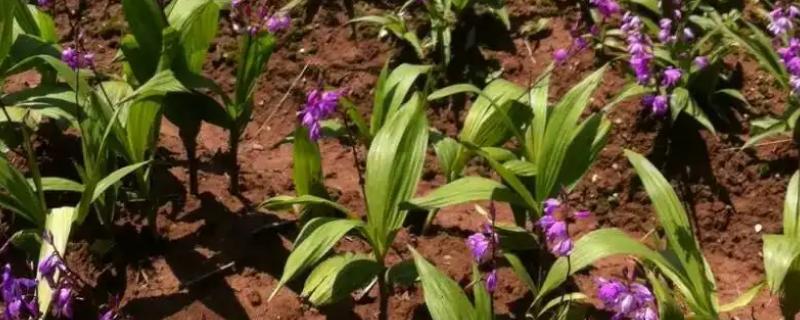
(49, 266)
(478, 245)
(278, 22)
(108, 315)
(794, 82)
(62, 303)
(607, 8)
(665, 33)
(701, 62)
(626, 301)
(75, 60)
(670, 77)
(491, 280)
(319, 106)
(781, 20)
(560, 56)
(558, 239)
(236, 3)
(44, 3)
(660, 105)
(639, 47)
(551, 205)
(19, 296)
(688, 34)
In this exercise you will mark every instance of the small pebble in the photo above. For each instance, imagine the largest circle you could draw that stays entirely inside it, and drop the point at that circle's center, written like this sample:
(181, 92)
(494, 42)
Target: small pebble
(758, 228)
(594, 178)
(615, 166)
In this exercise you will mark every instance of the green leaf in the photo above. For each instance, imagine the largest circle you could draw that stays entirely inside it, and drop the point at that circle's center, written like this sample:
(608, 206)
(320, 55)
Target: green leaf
(393, 92)
(255, 52)
(394, 167)
(604, 243)
(565, 298)
(19, 196)
(7, 9)
(467, 189)
(744, 300)
(59, 225)
(446, 151)
(197, 22)
(443, 297)
(668, 308)
(483, 300)
(27, 240)
(285, 202)
(791, 208)
(307, 164)
(115, 177)
(24, 17)
(677, 229)
(143, 123)
(579, 154)
(487, 124)
(521, 168)
(780, 253)
(59, 184)
(629, 91)
(453, 90)
(160, 84)
(537, 128)
(759, 45)
(402, 274)
(146, 21)
(314, 246)
(335, 278)
(562, 123)
(522, 273)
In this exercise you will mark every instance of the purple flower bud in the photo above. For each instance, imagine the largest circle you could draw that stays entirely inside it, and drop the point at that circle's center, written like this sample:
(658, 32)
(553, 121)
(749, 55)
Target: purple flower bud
(478, 245)
(626, 301)
(701, 62)
(551, 205)
(319, 106)
(781, 21)
(278, 22)
(665, 33)
(49, 266)
(62, 303)
(19, 296)
(560, 56)
(660, 105)
(75, 59)
(688, 34)
(794, 82)
(607, 8)
(491, 280)
(671, 77)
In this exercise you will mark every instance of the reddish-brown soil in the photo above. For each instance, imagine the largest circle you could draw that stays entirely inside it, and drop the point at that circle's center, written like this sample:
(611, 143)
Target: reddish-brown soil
(728, 191)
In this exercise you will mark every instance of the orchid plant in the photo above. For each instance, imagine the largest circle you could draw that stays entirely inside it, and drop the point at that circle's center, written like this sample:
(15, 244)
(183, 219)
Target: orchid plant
(443, 17)
(393, 169)
(675, 58)
(777, 50)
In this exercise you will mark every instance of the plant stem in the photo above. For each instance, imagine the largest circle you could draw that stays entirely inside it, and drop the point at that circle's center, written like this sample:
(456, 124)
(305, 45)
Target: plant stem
(383, 292)
(234, 161)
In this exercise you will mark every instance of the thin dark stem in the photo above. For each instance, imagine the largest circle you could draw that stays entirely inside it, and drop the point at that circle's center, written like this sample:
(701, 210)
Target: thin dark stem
(384, 298)
(356, 162)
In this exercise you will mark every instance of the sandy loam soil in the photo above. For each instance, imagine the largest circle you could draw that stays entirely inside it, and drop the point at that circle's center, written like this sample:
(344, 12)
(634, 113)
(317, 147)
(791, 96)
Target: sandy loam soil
(220, 259)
